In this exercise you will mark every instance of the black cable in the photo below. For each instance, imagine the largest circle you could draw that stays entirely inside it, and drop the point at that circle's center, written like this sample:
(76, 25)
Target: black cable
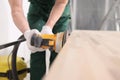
(11, 43)
(14, 56)
(9, 69)
(9, 73)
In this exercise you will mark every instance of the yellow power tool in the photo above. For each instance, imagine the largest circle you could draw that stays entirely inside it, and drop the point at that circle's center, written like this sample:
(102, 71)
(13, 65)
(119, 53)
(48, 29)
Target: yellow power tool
(50, 41)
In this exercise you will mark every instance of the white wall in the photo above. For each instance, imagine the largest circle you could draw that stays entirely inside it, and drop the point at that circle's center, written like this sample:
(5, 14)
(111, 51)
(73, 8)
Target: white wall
(8, 31)
(3, 23)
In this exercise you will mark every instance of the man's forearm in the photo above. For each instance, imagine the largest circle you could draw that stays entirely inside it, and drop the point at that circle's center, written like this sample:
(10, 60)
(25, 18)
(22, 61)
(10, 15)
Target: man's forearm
(55, 14)
(20, 21)
(18, 15)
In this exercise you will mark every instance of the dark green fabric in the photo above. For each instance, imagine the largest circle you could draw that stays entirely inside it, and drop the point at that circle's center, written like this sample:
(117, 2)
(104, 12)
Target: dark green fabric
(38, 14)
(37, 65)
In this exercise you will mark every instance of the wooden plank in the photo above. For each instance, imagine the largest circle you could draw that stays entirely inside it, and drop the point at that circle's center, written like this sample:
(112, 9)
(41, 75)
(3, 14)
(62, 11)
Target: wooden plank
(88, 55)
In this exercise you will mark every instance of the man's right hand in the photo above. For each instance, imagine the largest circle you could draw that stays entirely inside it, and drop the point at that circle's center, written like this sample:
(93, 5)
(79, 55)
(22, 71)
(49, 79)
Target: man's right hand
(28, 34)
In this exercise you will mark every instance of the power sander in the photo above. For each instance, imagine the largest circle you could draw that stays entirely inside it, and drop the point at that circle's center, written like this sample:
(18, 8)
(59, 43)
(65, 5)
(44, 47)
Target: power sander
(50, 41)
(45, 41)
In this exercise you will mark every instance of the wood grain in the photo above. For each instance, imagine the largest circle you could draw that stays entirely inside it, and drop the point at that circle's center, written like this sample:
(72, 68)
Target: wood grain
(88, 55)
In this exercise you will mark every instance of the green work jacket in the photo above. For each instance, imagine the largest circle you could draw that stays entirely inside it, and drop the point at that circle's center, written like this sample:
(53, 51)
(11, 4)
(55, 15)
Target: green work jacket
(39, 11)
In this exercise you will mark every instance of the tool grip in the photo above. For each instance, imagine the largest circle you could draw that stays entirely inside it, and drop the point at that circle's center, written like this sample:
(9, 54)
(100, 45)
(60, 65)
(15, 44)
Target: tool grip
(45, 41)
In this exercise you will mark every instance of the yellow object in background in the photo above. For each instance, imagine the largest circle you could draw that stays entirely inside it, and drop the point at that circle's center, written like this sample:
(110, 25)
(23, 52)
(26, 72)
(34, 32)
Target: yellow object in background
(6, 66)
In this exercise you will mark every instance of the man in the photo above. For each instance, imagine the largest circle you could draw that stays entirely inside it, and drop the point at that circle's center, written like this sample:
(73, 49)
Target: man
(46, 16)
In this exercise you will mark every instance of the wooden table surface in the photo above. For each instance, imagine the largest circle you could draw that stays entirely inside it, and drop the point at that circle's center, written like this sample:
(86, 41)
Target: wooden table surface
(88, 55)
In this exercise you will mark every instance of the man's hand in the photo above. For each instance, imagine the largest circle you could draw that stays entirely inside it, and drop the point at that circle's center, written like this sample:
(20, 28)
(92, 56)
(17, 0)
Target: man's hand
(28, 34)
(46, 30)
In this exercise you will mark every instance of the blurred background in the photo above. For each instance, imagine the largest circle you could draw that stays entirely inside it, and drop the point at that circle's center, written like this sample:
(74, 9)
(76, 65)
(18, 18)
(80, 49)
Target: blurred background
(86, 15)
(96, 14)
